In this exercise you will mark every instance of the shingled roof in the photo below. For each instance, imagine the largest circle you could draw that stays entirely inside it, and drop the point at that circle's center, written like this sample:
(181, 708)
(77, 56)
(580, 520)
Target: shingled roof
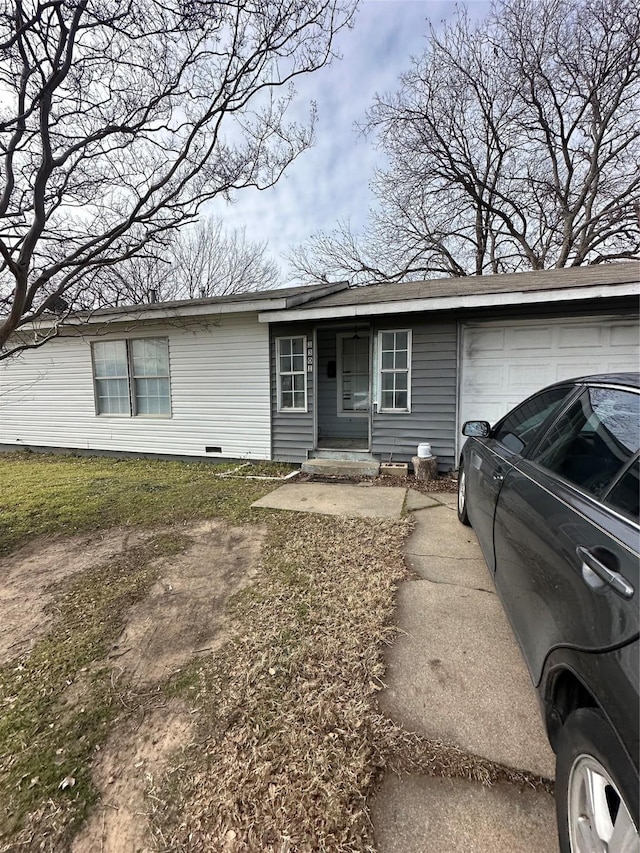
(569, 284)
(542, 280)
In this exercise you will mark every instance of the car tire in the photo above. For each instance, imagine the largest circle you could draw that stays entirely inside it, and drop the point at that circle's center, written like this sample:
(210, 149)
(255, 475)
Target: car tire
(462, 497)
(596, 788)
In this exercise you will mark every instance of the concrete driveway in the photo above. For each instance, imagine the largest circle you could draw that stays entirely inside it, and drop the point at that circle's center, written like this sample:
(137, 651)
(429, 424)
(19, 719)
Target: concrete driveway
(455, 674)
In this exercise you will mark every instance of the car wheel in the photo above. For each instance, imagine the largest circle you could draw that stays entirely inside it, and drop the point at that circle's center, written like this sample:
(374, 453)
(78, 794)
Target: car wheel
(462, 497)
(596, 788)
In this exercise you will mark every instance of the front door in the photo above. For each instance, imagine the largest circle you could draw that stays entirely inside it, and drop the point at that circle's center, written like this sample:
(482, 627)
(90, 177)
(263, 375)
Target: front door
(344, 388)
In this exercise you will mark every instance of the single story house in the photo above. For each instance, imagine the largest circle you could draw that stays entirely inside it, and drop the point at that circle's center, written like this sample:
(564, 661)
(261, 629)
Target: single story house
(328, 369)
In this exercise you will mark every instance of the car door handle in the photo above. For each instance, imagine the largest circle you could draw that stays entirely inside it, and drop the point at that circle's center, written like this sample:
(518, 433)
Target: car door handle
(591, 566)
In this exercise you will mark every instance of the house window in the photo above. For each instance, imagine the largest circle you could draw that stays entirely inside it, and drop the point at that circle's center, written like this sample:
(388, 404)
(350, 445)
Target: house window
(395, 371)
(150, 372)
(132, 377)
(353, 374)
(292, 374)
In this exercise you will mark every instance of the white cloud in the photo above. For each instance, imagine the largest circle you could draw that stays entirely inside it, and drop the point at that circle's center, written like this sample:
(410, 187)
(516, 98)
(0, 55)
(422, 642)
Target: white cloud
(331, 180)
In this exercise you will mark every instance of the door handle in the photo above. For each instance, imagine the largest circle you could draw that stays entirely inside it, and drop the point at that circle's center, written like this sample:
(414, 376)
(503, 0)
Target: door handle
(596, 574)
(498, 477)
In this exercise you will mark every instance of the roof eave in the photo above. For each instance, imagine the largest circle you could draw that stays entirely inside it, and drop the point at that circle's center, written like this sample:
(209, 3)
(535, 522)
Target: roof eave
(194, 309)
(450, 303)
(163, 313)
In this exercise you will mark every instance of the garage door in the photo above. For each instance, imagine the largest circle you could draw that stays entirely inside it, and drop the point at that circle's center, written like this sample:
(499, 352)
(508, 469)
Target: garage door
(503, 362)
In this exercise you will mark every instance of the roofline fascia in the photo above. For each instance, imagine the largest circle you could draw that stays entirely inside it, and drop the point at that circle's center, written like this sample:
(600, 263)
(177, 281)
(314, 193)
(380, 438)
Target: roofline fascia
(99, 318)
(145, 312)
(448, 303)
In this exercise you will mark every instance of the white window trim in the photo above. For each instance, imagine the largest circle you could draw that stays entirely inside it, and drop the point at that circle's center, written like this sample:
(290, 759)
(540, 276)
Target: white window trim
(407, 371)
(342, 412)
(132, 413)
(280, 408)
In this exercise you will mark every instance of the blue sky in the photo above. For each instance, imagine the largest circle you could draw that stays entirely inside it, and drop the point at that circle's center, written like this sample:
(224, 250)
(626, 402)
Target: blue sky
(331, 180)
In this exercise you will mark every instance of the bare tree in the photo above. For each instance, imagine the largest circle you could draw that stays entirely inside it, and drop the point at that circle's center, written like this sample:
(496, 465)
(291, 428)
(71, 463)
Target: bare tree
(210, 261)
(513, 144)
(198, 261)
(119, 119)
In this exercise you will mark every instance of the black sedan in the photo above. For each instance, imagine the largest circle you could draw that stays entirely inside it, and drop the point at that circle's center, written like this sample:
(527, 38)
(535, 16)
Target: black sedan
(552, 492)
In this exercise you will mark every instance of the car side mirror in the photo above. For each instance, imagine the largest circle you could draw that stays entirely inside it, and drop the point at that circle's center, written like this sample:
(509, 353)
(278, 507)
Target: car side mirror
(476, 429)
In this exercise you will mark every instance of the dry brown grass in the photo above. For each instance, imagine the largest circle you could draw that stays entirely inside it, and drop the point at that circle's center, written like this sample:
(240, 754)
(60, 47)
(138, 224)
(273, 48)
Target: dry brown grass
(285, 751)
(444, 483)
(290, 742)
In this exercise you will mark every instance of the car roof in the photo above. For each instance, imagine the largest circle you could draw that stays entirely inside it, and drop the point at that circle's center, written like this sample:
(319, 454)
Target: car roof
(630, 378)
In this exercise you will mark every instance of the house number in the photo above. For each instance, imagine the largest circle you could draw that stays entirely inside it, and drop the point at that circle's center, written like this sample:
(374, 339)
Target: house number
(309, 356)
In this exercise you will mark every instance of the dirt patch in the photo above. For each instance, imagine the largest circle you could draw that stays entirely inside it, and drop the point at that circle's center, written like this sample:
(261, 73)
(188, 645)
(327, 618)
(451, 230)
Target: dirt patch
(137, 754)
(183, 616)
(185, 613)
(30, 574)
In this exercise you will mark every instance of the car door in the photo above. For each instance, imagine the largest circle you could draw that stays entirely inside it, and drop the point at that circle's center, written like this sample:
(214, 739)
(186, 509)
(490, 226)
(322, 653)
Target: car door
(488, 461)
(566, 540)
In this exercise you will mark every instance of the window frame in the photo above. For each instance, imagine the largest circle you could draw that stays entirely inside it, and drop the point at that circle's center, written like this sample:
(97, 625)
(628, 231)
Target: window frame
(340, 410)
(131, 378)
(600, 493)
(96, 379)
(134, 378)
(280, 374)
(381, 372)
(613, 485)
(571, 393)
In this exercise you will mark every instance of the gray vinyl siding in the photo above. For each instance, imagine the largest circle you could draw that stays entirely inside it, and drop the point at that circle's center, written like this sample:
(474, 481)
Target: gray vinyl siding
(330, 425)
(292, 433)
(434, 381)
(433, 396)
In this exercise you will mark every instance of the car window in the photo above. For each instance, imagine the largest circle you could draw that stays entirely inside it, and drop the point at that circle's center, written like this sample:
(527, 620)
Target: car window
(625, 495)
(520, 427)
(594, 439)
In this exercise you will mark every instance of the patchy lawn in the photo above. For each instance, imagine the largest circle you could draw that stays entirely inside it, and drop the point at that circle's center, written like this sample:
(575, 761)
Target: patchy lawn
(55, 494)
(181, 672)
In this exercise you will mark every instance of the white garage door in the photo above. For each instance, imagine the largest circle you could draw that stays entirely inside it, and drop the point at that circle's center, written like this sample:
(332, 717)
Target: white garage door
(503, 362)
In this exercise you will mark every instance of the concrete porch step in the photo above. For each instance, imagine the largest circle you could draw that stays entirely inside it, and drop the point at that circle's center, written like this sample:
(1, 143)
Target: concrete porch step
(343, 454)
(341, 467)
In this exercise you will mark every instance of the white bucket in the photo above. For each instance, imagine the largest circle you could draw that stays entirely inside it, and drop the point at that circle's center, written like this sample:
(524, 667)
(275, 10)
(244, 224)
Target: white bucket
(424, 451)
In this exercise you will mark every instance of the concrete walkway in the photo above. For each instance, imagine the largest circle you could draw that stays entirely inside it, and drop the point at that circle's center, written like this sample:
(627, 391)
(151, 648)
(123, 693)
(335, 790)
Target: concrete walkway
(455, 673)
(361, 501)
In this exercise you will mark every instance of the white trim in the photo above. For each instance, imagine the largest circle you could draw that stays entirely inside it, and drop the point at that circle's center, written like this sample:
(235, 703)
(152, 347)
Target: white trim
(145, 314)
(457, 444)
(304, 371)
(340, 411)
(375, 376)
(445, 303)
(314, 379)
(409, 335)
